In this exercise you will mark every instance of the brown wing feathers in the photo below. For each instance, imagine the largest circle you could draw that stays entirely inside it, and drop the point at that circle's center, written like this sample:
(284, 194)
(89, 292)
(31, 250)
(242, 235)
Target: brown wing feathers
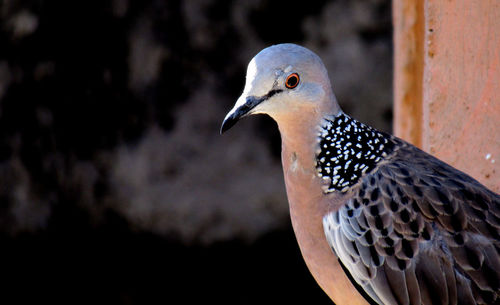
(417, 231)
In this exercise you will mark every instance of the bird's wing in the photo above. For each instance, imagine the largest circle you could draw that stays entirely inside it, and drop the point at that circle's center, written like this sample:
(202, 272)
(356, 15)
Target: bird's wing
(417, 231)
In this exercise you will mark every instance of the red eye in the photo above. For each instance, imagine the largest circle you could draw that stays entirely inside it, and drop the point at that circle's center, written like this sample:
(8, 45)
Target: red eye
(292, 81)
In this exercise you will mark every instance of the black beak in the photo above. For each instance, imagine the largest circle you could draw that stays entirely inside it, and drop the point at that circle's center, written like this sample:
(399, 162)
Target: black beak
(241, 111)
(238, 112)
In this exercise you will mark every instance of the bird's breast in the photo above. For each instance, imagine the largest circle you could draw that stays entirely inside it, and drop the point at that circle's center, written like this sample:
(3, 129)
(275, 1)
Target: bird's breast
(308, 205)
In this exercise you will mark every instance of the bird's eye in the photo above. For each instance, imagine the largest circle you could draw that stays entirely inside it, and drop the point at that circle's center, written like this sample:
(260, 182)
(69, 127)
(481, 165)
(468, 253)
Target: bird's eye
(292, 81)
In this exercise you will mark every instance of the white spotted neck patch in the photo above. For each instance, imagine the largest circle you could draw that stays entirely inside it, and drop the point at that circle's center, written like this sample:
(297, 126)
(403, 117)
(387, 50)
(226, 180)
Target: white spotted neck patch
(348, 150)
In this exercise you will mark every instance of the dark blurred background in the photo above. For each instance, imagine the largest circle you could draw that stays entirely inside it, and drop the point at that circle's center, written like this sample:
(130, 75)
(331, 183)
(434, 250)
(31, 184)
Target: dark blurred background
(115, 185)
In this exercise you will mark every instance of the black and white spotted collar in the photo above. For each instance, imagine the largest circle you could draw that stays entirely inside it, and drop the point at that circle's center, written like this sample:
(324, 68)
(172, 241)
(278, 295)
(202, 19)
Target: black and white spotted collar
(349, 149)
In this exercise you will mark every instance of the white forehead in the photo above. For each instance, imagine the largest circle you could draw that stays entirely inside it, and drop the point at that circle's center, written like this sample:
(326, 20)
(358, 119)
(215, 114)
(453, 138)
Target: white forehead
(252, 70)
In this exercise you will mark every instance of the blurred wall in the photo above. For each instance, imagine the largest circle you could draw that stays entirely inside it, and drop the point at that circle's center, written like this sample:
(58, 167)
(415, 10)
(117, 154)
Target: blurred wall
(117, 104)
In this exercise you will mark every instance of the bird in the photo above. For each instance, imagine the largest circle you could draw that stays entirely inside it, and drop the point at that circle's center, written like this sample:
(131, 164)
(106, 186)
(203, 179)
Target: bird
(377, 220)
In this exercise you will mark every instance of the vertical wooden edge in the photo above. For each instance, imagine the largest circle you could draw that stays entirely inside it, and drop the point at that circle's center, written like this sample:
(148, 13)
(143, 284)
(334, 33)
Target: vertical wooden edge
(427, 53)
(409, 30)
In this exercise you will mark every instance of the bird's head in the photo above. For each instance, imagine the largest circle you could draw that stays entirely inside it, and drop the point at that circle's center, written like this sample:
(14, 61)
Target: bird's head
(287, 82)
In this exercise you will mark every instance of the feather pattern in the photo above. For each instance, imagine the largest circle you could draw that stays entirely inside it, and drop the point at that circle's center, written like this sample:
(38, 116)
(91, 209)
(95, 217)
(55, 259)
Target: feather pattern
(414, 230)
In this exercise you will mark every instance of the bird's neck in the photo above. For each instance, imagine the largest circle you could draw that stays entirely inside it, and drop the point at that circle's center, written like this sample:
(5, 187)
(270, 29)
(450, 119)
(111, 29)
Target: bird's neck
(300, 146)
(299, 141)
(335, 148)
(299, 134)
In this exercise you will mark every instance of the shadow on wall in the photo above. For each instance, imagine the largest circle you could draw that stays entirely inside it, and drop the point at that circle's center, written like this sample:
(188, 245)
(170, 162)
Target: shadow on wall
(111, 165)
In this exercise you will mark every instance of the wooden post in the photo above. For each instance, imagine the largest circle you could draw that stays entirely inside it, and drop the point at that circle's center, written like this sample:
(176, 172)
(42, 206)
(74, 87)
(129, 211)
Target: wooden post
(447, 82)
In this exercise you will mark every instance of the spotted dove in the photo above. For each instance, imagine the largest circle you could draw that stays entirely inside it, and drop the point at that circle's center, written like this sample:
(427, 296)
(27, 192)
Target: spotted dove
(377, 219)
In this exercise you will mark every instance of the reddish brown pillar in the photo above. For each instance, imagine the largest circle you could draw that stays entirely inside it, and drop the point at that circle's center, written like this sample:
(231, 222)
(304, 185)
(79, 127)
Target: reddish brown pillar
(447, 82)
